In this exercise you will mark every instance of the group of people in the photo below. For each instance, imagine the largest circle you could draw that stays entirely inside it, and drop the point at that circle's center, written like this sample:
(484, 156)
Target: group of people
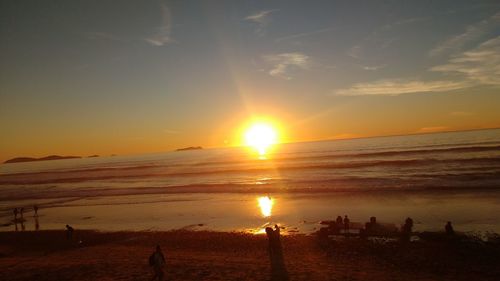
(373, 228)
(20, 211)
(340, 224)
(19, 217)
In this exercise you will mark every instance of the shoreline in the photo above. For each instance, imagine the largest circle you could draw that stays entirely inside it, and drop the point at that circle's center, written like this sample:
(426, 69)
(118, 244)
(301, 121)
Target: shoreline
(207, 255)
(242, 212)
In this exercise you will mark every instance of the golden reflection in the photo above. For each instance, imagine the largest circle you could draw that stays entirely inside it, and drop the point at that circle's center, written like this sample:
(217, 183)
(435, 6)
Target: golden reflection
(266, 205)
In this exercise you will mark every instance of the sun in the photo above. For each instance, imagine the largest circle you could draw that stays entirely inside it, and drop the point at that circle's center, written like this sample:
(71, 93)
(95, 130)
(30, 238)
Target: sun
(261, 136)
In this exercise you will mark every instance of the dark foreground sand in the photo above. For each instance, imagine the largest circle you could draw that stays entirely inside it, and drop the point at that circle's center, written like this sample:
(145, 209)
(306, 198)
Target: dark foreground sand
(47, 255)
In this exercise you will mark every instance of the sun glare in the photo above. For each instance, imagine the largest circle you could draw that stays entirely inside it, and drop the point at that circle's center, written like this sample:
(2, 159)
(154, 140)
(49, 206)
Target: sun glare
(260, 136)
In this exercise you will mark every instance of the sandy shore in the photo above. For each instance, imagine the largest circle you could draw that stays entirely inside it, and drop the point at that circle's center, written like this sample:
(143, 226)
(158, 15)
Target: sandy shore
(47, 255)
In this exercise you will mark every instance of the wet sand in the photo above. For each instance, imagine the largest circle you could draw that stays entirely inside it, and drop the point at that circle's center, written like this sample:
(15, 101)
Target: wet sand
(203, 255)
(469, 211)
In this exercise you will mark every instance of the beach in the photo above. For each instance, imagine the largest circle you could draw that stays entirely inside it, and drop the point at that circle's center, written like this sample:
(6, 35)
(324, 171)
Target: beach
(433, 178)
(208, 210)
(203, 255)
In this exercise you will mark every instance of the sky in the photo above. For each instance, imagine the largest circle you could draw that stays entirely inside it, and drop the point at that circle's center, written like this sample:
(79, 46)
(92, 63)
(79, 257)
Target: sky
(123, 77)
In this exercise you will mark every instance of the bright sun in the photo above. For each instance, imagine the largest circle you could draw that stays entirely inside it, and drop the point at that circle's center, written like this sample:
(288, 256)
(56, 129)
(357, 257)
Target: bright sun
(260, 136)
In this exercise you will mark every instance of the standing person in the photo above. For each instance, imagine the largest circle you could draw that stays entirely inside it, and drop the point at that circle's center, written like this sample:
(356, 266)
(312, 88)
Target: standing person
(278, 269)
(409, 224)
(37, 223)
(157, 261)
(449, 229)
(338, 224)
(36, 210)
(339, 220)
(407, 229)
(22, 213)
(346, 224)
(69, 232)
(15, 214)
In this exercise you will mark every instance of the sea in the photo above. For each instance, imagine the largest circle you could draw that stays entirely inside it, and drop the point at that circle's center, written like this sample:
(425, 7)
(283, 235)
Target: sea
(432, 178)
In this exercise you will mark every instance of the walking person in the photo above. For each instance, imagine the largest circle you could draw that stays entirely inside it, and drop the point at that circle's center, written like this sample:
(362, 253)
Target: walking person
(157, 261)
(15, 214)
(22, 214)
(35, 208)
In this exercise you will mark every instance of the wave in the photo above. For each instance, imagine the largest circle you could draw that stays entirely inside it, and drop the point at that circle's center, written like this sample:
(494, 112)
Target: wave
(449, 182)
(363, 155)
(75, 176)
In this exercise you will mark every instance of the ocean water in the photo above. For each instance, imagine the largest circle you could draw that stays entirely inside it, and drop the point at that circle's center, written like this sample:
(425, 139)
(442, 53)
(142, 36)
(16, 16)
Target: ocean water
(432, 177)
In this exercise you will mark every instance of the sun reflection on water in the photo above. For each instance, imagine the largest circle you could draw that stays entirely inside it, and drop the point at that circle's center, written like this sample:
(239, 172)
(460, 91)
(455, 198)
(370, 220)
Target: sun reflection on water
(266, 205)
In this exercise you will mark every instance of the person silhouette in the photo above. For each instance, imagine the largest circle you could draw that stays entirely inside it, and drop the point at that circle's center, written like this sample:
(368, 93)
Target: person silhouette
(22, 214)
(278, 269)
(15, 214)
(157, 260)
(37, 224)
(35, 208)
(408, 224)
(69, 232)
(339, 220)
(346, 224)
(449, 229)
(406, 229)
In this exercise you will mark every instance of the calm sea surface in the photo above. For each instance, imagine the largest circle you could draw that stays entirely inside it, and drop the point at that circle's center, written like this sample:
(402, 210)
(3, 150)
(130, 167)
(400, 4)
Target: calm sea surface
(433, 178)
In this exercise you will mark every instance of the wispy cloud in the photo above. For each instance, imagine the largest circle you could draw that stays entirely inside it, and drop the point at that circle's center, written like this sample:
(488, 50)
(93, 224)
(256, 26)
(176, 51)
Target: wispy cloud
(282, 64)
(461, 113)
(304, 34)
(355, 52)
(262, 19)
(480, 65)
(399, 87)
(162, 36)
(471, 33)
(433, 129)
(403, 22)
(103, 35)
(380, 39)
(373, 67)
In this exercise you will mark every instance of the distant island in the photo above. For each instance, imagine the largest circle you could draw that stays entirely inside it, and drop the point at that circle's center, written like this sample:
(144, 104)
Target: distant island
(93, 156)
(31, 159)
(189, 148)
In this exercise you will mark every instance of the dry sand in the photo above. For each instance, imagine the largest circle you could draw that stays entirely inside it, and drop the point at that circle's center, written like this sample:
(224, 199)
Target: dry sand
(47, 255)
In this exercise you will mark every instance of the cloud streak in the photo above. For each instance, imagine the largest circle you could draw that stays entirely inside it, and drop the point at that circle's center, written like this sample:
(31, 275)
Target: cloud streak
(471, 33)
(283, 63)
(374, 67)
(398, 87)
(262, 19)
(304, 34)
(162, 35)
(104, 36)
(480, 65)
